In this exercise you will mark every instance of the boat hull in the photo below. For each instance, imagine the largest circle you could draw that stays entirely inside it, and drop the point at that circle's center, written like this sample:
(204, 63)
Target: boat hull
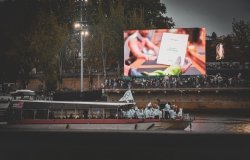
(101, 124)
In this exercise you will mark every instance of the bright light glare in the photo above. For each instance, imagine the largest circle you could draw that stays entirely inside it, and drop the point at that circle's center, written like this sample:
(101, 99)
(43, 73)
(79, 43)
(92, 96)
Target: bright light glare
(84, 33)
(77, 25)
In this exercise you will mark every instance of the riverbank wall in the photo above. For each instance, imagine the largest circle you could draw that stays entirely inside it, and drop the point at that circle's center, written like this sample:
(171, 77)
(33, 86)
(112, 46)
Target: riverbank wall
(188, 98)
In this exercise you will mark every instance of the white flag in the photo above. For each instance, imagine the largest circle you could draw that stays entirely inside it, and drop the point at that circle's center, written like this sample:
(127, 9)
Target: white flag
(127, 96)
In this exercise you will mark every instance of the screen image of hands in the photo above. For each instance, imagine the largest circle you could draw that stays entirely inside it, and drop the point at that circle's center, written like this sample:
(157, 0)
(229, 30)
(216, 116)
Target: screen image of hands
(138, 45)
(162, 52)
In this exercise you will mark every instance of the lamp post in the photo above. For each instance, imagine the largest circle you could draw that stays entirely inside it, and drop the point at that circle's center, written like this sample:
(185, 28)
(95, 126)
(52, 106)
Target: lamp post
(83, 33)
(82, 27)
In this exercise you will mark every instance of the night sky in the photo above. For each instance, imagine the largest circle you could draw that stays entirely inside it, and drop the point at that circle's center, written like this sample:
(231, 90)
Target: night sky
(215, 15)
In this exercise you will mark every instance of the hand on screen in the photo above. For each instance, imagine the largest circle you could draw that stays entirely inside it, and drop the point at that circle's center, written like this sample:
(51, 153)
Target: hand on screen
(140, 46)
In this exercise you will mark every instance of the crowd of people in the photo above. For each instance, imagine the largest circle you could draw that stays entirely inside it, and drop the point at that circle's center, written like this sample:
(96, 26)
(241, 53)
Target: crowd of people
(168, 111)
(198, 81)
(227, 65)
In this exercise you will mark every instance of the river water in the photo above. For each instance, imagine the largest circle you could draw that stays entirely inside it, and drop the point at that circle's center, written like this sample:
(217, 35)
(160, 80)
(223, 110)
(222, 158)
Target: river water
(212, 123)
(212, 136)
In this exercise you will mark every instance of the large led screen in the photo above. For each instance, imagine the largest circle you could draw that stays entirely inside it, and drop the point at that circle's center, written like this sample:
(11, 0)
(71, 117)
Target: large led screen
(163, 52)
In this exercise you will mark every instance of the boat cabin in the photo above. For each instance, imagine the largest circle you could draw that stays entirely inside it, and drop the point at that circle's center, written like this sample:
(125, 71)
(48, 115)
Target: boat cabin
(25, 109)
(23, 95)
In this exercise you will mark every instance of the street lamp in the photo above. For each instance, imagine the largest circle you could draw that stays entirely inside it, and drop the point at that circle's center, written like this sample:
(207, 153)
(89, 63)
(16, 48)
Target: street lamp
(82, 27)
(83, 33)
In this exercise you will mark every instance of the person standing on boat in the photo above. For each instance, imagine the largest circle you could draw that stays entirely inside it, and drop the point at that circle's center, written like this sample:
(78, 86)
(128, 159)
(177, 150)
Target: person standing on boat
(147, 112)
(172, 112)
(157, 112)
(136, 114)
(180, 113)
(166, 111)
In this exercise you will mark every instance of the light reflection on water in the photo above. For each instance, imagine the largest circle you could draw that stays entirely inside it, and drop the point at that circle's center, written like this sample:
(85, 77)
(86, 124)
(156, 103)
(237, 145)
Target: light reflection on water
(220, 124)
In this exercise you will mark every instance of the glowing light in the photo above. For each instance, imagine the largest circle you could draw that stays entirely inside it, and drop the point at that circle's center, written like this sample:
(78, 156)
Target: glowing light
(84, 33)
(77, 25)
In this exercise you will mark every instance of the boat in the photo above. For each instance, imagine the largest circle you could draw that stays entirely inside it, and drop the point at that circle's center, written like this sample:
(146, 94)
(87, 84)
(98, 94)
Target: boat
(41, 114)
(23, 94)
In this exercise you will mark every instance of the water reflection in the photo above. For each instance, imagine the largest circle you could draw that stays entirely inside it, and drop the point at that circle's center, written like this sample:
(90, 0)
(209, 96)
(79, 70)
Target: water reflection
(220, 124)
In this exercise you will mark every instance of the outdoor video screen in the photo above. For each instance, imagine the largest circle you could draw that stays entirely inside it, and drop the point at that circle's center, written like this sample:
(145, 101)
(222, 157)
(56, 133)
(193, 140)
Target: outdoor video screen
(165, 52)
